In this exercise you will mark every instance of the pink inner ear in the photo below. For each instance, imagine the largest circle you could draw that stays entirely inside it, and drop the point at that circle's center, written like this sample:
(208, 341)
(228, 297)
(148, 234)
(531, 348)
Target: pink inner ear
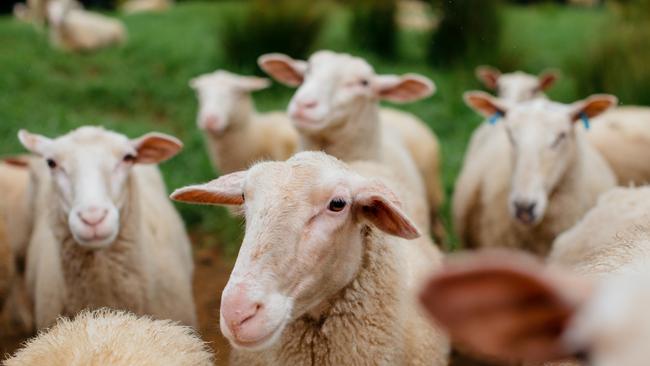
(282, 71)
(489, 77)
(407, 90)
(225, 190)
(154, 149)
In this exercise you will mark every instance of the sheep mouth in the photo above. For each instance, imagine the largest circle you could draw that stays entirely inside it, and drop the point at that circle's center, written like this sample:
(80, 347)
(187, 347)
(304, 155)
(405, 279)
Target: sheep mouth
(260, 342)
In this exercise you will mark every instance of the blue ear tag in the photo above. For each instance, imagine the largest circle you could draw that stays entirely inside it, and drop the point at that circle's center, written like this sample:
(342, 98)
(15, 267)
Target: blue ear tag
(585, 120)
(495, 117)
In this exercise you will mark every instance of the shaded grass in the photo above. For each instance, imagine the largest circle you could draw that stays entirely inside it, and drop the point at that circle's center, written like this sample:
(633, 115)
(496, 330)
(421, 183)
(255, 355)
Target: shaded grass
(142, 86)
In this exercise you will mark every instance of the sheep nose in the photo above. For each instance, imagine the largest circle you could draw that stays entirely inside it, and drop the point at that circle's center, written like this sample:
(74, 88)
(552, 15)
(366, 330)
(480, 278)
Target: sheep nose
(525, 211)
(211, 122)
(237, 308)
(307, 104)
(93, 216)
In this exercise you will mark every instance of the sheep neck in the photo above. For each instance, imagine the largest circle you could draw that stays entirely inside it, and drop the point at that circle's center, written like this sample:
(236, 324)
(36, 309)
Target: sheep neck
(229, 148)
(356, 136)
(109, 277)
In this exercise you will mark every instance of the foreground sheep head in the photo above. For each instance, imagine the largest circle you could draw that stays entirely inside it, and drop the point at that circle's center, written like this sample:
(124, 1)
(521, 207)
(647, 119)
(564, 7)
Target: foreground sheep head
(509, 308)
(516, 86)
(333, 86)
(221, 96)
(305, 223)
(90, 168)
(543, 143)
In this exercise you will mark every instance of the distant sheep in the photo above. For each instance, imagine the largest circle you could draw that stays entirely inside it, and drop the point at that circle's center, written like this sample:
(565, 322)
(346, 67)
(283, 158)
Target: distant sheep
(323, 276)
(139, 6)
(113, 338)
(336, 110)
(76, 29)
(543, 174)
(105, 235)
(238, 136)
(516, 86)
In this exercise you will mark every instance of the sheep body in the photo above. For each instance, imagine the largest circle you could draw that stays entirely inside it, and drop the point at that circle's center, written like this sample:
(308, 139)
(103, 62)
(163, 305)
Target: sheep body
(108, 337)
(138, 6)
(76, 29)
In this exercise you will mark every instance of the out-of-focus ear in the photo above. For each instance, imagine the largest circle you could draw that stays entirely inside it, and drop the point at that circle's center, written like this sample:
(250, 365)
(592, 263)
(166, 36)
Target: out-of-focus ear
(488, 75)
(155, 147)
(18, 161)
(283, 68)
(403, 89)
(225, 190)
(547, 79)
(505, 306)
(35, 143)
(592, 107)
(484, 103)
(194, 82)
(252, 83)
(375, 202)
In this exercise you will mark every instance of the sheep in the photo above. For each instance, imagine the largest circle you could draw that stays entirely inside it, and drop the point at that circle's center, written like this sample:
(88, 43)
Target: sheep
(104, 234)
(75, 29)
(113, 338)
(509, 308)
(543, 174)
(516, 86)
(139, 6)
(336, 110)
(238, 136)
(324, 275)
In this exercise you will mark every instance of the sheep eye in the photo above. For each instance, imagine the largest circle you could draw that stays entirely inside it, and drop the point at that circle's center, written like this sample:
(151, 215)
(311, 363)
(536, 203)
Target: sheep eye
(129, 158)
(364, 82)
(243, 198)
(559, 139)
(337, 205)
(51, 163)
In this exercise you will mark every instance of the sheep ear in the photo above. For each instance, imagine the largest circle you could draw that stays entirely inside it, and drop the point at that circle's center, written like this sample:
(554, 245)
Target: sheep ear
(283, 68)
(194, 82)
(593, 106)
(379, 205)
(505, 306)
(402, 89)
(35, 143)
(489, 76)
(547, 79)
(252, 83)
(484, 103)
(18, 161)
(225, 190)
(156, 147)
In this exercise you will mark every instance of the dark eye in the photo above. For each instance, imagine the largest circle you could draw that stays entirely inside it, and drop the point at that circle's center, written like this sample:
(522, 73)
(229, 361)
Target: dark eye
(243, 198)
(364, 82)
(51, 163)
(337, 205)
(559, 139)
(129, 158)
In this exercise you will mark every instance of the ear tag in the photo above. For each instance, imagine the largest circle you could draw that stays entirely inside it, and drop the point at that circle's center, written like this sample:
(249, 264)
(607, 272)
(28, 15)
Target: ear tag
(585, 120)
(495, 117)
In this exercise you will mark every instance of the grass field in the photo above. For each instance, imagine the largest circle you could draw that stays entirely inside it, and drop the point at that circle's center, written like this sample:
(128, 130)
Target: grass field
(142, 86)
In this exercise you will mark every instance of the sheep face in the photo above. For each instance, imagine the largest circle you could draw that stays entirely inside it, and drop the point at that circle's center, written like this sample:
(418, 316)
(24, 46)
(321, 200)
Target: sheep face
(306, 219)
(222, 97)
(333, 87)
(90, 168)
(516, 86)
(543, 146)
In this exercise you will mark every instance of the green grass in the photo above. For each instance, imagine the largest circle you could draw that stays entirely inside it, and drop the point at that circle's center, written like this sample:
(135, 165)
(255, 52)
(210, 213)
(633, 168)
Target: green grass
(142, 86)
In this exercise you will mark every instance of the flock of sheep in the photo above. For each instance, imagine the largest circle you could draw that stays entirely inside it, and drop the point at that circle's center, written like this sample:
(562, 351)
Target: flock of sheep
(341, 199)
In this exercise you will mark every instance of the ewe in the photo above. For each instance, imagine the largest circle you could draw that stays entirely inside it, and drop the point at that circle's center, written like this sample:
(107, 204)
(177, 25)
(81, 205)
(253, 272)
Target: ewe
(321, 278)
(543, 174)
(104, 232)
(336, 110)
(75, 29)
(113, 338)
(622, 134)
(139, 6)
(238, 136)
(512, 309)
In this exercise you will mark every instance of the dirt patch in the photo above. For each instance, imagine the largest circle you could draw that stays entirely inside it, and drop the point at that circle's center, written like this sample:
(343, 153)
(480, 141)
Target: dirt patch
(210, 276)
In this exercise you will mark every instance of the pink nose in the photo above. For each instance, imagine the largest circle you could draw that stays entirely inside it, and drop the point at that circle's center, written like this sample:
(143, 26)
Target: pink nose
(307, 104)
(241, 314)
(211, 122)
(93, 216)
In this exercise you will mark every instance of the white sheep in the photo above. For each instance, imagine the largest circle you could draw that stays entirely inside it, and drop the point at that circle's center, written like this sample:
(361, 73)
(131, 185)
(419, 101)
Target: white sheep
(535, 178)
(139, 6)
(336, 110)
(516, 86)
(238, 136)
(324, 275)
(75, 29)
(113, 338)
(509, 308)
(104, 232)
